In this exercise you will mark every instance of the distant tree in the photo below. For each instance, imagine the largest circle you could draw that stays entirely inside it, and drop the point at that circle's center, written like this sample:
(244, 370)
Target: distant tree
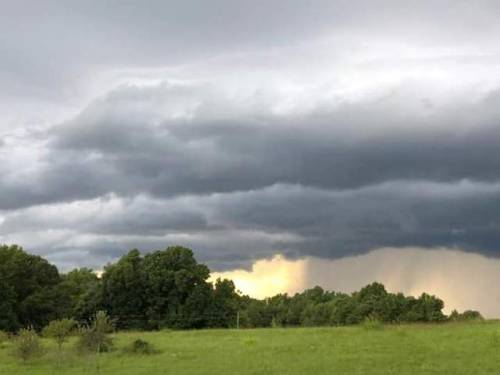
(225, 304)
(197, 310)
(123, 291)
(315, 295)
(454, 316)
(297, 304)
(8, 317)
(426, 308)
(76, 284)
(472, 315)
(45, 305)
(372, 302)
(467, 315)
(345, 311)
(89, 303)
(29, 281)
(396, 305)
(171, 276)
(258, 314)
(279, 306)
(317, 314)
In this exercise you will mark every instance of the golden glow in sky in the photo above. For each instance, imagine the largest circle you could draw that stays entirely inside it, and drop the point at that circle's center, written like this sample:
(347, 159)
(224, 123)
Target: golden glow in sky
(268, 277)
(454, 276)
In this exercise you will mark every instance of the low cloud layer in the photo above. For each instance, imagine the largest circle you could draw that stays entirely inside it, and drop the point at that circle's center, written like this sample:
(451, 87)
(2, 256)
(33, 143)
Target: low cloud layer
(237, 180)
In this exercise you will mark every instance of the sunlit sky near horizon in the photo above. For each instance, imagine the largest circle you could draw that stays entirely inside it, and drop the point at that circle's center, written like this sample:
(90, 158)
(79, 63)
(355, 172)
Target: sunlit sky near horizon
(288, 143)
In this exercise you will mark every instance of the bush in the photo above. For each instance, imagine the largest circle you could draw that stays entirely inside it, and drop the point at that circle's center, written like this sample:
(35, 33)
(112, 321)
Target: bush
(371, 323)
(59, 330)
(94, 338)
(141, 347)
(4, 337)
(27, 344)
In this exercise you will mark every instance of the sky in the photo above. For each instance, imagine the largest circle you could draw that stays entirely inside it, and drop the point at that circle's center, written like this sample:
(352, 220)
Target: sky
(299, 142)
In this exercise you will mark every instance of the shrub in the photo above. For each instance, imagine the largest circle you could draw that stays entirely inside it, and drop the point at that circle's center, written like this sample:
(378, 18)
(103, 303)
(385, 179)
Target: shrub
(27, 344)
(59, 330)
(4, 337)
(95, 338)
(371, 323)
(141, 347)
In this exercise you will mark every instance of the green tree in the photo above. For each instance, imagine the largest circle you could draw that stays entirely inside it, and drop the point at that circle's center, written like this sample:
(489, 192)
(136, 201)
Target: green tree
(170, 277)
(123, 291)
(279, 306)
(258, 314)
(467, 315)
(225, 304)
(29, 281)
(76, 285)
(345, 310)
(426, 308)
(197, 309)
(8, 317)
(296, 306)
(45, 305)
(372, 301)
(317, 314)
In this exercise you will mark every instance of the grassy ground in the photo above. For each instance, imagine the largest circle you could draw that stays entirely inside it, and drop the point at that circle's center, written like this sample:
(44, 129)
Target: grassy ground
(417, 349)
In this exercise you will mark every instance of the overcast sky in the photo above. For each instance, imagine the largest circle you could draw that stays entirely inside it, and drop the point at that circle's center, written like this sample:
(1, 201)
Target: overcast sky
(246, 129)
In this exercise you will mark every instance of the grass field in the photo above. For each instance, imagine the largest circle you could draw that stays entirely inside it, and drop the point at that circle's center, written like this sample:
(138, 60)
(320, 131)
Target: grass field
(416, 349)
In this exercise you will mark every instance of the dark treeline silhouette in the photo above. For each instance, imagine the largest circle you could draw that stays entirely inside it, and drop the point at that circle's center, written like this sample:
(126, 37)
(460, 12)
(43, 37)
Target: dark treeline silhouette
(169, 289)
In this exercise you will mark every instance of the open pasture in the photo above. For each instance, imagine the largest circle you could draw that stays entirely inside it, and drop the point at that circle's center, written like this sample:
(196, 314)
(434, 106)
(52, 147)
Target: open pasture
(468, 348)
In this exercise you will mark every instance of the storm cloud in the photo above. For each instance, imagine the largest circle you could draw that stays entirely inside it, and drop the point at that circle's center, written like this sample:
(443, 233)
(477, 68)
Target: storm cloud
(248, 129)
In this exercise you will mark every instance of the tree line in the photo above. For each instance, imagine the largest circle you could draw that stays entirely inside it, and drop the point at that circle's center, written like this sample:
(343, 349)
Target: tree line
(170, 289)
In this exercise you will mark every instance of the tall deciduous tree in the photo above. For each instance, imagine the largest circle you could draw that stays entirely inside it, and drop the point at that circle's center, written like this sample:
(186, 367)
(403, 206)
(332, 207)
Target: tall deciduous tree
(171, 276)
(30, 282)
(123, 291)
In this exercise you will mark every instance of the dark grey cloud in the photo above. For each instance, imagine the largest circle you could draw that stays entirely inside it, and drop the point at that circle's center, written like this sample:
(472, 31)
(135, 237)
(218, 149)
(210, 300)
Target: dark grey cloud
(229, 230)
(241, 183)
(398, 214)
(105, 151)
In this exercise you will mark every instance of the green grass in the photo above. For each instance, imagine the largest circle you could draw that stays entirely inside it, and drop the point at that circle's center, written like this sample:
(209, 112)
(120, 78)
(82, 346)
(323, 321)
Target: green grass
(472, 348)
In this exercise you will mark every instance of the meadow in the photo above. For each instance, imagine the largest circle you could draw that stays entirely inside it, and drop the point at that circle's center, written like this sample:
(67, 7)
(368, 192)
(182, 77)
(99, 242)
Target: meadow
(453, 348)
